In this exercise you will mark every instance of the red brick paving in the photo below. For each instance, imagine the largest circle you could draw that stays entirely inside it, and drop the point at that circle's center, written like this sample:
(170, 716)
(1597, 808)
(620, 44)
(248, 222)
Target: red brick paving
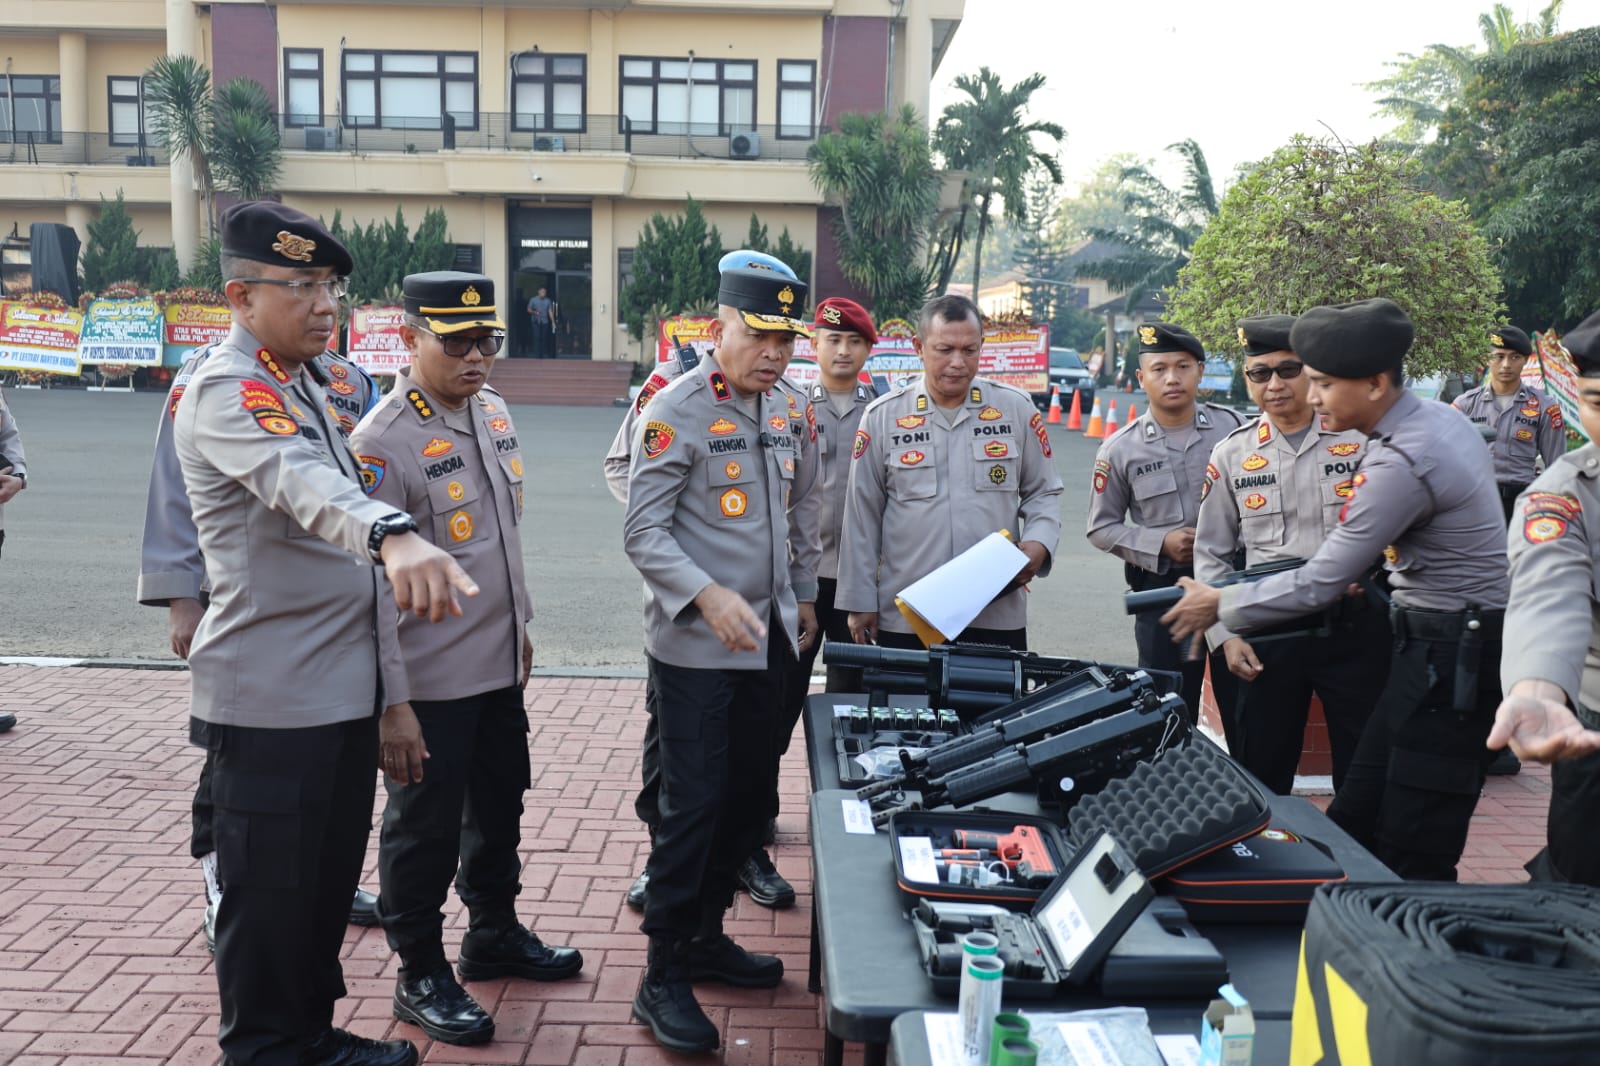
(102, 959)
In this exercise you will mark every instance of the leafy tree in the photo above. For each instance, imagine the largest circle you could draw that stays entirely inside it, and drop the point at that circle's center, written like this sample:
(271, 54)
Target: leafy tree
(206, 271)
(1319, 223)
(386, 251)
(786, 250)
(987, 136)
(244, 148)
(1160, 226)
(674, 269)
(877, 170)
(1098, 203)
(177, 92)
(160, 269)
(112, 252)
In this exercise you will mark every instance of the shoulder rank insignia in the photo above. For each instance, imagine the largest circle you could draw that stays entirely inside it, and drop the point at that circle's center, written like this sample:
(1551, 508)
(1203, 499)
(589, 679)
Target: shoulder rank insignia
(922, 403)
(977, 395)
(1263, 433)
(270, 362)
(420, 402)
(719, 387)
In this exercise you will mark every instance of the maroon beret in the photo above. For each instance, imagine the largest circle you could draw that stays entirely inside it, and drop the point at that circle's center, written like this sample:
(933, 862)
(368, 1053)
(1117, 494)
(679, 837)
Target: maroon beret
(838, 313)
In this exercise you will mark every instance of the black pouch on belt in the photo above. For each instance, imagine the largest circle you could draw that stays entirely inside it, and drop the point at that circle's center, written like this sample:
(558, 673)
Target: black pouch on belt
(1469, 656)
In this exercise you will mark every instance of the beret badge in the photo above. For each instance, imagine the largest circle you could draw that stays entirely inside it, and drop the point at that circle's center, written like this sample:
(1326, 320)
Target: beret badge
(1242, 338)
(831, 316)
(1147, 334)
(1497, 340)
(293, 246)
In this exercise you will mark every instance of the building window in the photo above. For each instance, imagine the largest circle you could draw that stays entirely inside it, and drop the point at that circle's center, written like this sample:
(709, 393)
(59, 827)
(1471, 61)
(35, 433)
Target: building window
(797, 98)
(30, 108)
(624, 279)
(678, 96)
(410, 90)
(548, 92)
(130, 121)
(302, 87)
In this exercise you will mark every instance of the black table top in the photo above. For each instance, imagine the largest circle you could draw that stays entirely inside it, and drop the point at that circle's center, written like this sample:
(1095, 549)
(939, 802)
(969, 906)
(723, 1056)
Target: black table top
(908, 1036)
(870, 970)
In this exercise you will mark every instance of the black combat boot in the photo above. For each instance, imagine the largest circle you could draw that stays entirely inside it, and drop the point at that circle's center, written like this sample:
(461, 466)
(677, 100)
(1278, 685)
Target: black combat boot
(666, 1003)
(713, 956)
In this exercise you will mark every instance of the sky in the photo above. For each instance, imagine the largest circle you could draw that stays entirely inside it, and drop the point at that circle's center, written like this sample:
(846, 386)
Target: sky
(1241, 77)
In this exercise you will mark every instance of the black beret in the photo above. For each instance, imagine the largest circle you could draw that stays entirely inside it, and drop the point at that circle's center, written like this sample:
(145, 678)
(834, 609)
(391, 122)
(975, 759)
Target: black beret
(1265, 334)
(451, 301)
(1166, 337)
(1583, 344)
(1511, 337)
(269, 232)
(765, 299)
(1353, 340)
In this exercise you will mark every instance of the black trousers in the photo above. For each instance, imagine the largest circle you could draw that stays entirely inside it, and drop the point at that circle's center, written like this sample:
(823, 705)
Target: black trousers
(1413, 784)
(647, 803)
(1509, 491)
(1569, 853)
(462, 820)
(201, 840)
(797, 674)
(1346, 670)
(1158, 651)
(715, 743)
(293, 809)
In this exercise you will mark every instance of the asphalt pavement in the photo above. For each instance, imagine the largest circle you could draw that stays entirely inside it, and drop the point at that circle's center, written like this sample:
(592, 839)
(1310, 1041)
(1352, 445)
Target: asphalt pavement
(71, 555)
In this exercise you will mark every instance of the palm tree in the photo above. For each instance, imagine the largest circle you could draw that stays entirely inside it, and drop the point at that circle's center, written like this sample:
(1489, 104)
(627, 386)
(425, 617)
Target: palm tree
(877, 171)
(987, 136)
(177, 91)
(1161, 225)
(245, 151)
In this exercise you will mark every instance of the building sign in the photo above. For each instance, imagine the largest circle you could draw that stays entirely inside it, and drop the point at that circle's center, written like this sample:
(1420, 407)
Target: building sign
(1019, 356)
(37, 338)
(565, 243)
(128, 332)
(375, 345)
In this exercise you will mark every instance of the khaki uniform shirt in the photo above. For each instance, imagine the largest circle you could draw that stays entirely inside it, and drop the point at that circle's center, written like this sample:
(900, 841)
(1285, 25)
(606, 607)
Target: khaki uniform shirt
(923, 490)
(1424, 501)
(1143, 487)
(711, 497)
(283, 526)
(1530, 429)
(835, 435)
(170, 566)
(464, 488)
(1273, 500)
(10, 447)
(805, 536)
(1552, 628)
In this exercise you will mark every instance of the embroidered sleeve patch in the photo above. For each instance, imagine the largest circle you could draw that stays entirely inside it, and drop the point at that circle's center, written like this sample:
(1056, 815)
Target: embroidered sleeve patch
(372, 471)
(658, 438)
(1102, 473)
(266, 406)
(1553, 412)
(863, 438)
(1547, 516)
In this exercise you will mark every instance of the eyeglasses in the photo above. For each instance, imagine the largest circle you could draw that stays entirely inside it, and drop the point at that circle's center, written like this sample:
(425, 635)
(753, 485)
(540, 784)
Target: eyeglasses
(1263, 374)
(458, 347)
(335, 288)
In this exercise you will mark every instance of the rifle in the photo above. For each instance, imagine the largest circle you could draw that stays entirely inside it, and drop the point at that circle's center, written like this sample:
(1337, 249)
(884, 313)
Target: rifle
(1066, 704)
(1152, 600)
(1081, 759)
(959, 677)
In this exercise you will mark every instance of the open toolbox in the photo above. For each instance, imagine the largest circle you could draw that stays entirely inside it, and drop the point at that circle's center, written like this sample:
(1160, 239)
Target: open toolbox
(1063, 940)
(976, 856)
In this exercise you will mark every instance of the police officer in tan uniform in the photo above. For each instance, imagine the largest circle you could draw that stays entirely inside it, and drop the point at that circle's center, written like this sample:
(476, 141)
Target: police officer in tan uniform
(1527, 424)
(939, 464)
(1550, 667)
(758, 875)
(297, 655)
(1273, 490)
(13, 479)
(172, 575)
(443, 449)
(1145, 494)
(712, 491)
(1425, 500)
(842, 337)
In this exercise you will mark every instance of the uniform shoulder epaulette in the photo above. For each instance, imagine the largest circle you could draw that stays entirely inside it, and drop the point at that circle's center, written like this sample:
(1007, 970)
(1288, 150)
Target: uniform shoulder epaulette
(885, 398)
(1230, 412)
(491, 392)
(1001, 386)
(1243, 427)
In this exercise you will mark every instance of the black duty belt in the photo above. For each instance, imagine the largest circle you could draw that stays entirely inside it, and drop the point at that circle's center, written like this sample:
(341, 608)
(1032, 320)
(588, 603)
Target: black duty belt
(1589, 718)
(1444, 625)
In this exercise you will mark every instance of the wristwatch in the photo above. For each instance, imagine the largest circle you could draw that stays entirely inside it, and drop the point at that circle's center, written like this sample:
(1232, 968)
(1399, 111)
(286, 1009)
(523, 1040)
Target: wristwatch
(389, 524)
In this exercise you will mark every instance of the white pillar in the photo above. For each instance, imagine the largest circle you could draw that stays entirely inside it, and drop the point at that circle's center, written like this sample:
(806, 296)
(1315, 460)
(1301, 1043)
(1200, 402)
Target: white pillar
(182, 40)
(602, 278)
(918, 63)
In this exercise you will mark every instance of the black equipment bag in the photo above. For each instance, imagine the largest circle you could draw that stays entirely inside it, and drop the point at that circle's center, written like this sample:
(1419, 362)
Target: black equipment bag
(1265, 878)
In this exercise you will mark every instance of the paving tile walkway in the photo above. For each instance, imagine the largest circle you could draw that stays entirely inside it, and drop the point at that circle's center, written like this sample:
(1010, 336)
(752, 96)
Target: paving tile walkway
(102, 959)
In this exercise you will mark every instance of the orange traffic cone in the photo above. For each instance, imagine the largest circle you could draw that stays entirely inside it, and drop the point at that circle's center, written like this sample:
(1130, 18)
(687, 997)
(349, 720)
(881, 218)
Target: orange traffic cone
(1097, 422)
(1133, 412)
(1111, 419)
(1054, 416)
(1075, 417)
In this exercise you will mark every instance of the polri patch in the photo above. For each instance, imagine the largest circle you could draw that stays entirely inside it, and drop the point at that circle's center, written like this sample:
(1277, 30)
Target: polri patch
(436, 447)
(1556, 420)
(657, 438)
(372, 471)
(990, 414)
(721, 428)
(1344, 448)
(343, 388)
(911, 421)
(651, 387)
(863, 438)
(499, 425)
(1253, 462)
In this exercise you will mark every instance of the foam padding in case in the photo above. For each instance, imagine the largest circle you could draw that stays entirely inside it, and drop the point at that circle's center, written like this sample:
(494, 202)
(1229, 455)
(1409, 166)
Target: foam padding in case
(1188, 801)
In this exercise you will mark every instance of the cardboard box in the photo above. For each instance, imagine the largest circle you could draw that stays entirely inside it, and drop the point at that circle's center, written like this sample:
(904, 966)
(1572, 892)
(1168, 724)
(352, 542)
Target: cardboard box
(1228, 1031)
